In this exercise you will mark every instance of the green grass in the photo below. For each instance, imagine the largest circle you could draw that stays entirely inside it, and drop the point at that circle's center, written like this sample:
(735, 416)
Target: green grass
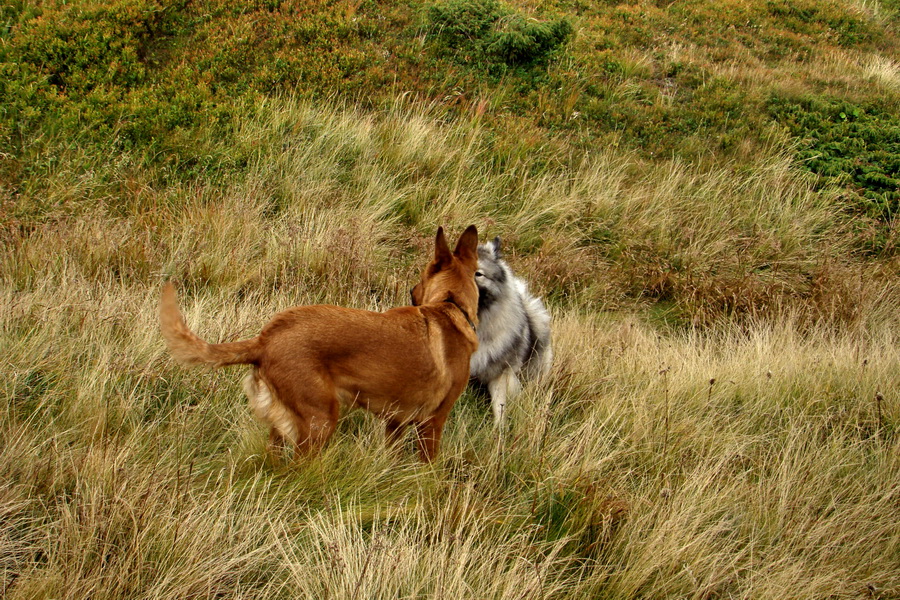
(716, 243)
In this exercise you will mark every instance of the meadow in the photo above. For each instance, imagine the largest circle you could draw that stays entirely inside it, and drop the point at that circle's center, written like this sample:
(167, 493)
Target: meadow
(721, 420)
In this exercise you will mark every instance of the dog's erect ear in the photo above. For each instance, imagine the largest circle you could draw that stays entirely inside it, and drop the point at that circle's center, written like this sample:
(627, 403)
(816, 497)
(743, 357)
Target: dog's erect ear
(441, 249)
(467, 246)
(415, 295)
(495, 247)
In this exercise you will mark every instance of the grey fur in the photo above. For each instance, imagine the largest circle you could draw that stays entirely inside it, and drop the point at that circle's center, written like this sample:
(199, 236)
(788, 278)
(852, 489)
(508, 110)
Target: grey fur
(513, 330)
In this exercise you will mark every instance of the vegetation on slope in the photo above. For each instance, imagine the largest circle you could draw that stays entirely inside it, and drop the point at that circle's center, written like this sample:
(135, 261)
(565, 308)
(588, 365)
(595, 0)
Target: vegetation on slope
(694, 80)
(702, 191)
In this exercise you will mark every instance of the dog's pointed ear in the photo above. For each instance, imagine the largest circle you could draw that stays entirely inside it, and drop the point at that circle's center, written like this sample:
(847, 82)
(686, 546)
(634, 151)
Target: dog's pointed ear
(415, 295)
(495, 247)
(467, 246)
(441, 248)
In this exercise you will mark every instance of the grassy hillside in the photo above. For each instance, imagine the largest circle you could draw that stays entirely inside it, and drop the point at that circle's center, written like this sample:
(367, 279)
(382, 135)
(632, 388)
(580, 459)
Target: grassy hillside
(694, 80)
(703, 192)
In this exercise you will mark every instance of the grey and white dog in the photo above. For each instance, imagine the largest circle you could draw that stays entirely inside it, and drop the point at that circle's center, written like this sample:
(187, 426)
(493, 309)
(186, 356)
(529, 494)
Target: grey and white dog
(513, 331)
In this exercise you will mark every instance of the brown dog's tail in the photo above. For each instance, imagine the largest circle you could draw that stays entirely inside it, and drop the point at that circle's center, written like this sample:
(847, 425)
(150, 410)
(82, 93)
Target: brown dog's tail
(189, 349)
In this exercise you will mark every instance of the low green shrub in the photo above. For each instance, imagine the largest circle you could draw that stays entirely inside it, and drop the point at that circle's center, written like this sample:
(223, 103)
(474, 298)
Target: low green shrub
(484, 32)
(520, 41)
(460, 23)
(856, 146)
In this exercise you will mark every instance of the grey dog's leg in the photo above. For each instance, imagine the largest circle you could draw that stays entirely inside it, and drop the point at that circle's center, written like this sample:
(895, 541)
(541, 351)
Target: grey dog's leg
(504, 387)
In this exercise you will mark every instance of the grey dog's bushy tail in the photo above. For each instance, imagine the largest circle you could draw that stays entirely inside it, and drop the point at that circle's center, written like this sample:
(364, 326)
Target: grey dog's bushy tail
(188, 348)
(540, 356)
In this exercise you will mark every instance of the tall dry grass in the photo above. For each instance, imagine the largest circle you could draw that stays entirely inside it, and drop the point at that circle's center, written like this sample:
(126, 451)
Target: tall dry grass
(752, 454)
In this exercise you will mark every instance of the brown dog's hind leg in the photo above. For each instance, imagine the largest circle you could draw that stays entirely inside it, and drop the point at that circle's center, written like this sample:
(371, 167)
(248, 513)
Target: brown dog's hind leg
(314, 431)
(269, 410)
(310, 408)
(277, 442)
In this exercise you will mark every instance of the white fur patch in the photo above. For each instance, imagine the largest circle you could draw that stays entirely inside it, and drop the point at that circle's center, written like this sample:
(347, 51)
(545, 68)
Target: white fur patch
(267, 408)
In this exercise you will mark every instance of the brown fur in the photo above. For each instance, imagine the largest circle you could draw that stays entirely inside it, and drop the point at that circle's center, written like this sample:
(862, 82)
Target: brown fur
(407, 365)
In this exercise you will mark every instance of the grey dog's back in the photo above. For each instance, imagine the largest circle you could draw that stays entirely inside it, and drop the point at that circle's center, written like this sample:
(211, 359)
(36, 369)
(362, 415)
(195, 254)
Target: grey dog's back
(514, 325)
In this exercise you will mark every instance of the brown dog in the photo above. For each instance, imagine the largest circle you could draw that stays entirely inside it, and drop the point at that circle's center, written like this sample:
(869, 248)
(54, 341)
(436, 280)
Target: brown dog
(407, 365)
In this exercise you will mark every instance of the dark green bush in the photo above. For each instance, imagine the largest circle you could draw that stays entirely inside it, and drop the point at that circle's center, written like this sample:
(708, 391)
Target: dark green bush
(521, 41)
(484, 32)
(856, 146)
(460, 23)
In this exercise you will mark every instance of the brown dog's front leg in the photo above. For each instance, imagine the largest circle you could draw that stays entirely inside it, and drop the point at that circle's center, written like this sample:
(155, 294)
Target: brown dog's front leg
(393, 431)
(429, 437)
